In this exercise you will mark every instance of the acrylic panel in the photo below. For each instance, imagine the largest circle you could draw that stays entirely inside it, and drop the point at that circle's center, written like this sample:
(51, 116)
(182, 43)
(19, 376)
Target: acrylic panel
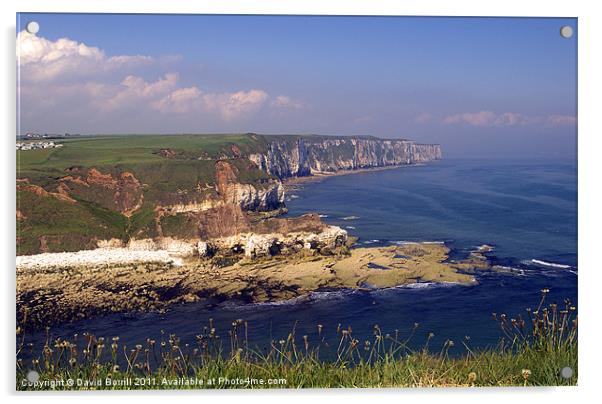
(223, 201)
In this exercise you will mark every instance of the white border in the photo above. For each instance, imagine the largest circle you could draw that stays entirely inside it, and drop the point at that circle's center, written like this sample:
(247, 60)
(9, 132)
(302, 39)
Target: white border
(590, 147)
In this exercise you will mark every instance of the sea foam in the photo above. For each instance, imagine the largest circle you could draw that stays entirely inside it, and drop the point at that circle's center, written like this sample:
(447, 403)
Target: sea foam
(549, 264)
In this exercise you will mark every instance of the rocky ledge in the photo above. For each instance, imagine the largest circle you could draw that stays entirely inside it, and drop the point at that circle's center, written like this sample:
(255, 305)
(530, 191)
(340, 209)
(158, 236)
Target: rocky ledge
(58, 293)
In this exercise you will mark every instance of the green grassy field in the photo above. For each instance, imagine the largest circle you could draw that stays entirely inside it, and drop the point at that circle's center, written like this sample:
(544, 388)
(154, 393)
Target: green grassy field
(111, 151)
(532, 353)
(165, 180)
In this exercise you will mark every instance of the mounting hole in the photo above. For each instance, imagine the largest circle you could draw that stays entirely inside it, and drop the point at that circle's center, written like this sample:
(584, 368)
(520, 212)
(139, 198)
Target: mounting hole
(566, 31)
(33, 376)
(566, 372)
(32, 27)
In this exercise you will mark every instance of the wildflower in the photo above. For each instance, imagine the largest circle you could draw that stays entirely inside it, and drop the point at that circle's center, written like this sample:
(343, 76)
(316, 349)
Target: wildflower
(472, 377)
(526, 373)
(72, 361)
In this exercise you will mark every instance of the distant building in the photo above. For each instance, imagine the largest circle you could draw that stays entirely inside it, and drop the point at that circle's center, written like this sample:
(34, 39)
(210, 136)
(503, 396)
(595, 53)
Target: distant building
(37, 145)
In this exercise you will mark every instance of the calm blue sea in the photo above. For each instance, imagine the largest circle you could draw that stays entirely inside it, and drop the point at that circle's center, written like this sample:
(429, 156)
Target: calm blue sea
(526, 209)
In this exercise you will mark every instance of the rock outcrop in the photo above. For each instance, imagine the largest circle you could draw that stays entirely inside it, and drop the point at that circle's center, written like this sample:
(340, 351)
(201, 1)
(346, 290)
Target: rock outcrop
(303, 156)
(226, 230)
(276, 236)
(268, 195)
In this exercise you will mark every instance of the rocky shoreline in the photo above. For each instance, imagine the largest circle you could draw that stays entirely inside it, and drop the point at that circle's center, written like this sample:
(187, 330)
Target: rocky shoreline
(57, 293)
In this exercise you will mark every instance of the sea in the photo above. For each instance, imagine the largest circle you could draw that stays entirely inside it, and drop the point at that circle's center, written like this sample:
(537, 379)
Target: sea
(526, 210)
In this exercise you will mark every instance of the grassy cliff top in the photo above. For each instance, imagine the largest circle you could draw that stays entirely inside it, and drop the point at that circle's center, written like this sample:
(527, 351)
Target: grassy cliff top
(109, 151)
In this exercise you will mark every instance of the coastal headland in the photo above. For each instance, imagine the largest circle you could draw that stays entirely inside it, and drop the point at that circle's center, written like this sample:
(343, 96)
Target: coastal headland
(140, 222)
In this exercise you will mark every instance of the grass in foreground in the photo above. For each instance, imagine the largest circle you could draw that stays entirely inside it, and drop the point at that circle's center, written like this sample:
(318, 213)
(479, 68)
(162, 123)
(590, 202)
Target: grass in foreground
(532, 353)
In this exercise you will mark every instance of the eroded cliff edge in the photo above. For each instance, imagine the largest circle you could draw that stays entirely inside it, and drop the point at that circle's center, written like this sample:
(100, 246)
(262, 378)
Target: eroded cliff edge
(172, 192)
(303, 156)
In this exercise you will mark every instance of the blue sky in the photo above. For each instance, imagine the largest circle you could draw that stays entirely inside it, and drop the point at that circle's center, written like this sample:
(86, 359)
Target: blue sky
(482, 87)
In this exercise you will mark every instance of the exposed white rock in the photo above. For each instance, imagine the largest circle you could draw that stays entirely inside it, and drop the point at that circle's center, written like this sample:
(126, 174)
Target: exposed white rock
(145, 244)
(112, 243)
(195, 207)
(255, 245)
(169, 250)
(179, 248)
(98, 257)
(250, 197)
(202, 248)
(303, 157)
(258, 245)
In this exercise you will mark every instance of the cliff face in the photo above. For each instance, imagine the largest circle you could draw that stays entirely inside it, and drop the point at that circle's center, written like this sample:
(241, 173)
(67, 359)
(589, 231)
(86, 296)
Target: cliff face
(264, 196)
(184, 193)
(307, 156)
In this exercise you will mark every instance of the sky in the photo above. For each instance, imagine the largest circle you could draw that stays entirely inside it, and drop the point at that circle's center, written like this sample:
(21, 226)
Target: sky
(481, 87)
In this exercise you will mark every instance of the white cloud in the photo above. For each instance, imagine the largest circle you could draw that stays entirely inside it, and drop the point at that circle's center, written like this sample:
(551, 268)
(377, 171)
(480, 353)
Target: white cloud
(42, 60)
(490, 118)
(561, 120)
(229, 106)
(135, 90)
(481, 118)
(236, 105)
(180, 101)
(63, 76)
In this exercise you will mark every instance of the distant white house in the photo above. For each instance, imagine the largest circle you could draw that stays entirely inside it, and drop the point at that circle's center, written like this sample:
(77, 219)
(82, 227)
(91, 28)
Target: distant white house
(37, 145)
